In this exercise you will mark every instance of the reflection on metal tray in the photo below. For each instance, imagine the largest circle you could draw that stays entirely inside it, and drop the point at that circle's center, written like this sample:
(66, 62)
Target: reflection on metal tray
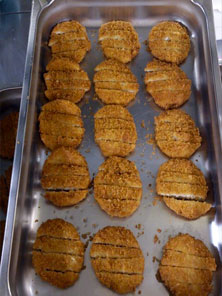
(28, 209)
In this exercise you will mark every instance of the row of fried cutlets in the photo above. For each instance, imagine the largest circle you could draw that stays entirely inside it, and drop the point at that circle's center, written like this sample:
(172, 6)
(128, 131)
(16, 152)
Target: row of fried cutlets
(117, 186)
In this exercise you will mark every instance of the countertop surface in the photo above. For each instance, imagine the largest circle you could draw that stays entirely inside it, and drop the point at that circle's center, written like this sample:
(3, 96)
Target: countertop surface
(14, 24)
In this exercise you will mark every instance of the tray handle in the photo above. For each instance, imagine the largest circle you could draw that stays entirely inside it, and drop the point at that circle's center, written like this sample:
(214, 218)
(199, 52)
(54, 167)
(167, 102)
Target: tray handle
(13, 194)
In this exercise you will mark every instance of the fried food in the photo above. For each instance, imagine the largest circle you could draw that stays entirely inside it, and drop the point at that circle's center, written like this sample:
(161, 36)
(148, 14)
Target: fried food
(8, 131)
(115, 83)
(176, 134)
(118, 187)
(58, 253)
(2, 231)
(183, 187)
(187, 266)
(186, 208)
(66, 80)
(167, 84)
(169, 41)
(4, 189)
(69, 39)
(61, 124)
(181, 178)
(117, 259)
(115, 131)
(65, 177)
(119, 40)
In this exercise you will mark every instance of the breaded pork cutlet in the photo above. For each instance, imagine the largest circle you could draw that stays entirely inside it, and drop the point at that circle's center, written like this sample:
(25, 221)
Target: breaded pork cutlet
(183, 187)
(5, 181)
(187, 266)
(69, 39)
(115, 131)
(176, 134)
(60, 124)
(119, 41)
(117, 259)
(169, 41)
(8, 131)
(118, 187)
(65, 177)
(115, 83)
(58, 253)
(167, 84)
(65, 80)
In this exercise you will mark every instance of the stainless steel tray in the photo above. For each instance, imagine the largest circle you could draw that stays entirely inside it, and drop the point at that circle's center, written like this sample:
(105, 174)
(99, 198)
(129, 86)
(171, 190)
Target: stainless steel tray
(9, 102)
(28, 209)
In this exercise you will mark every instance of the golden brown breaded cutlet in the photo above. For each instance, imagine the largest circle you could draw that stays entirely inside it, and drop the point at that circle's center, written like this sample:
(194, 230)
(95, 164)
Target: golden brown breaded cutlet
(167, 84)
(187, 266)
(8, 131)
(115, 131)
(60, 124)
(189, 209)
(183, 187)
(181, 178)
(176, 134)
(4, 189)
(69, 39)
(117, 259)
(65, 80)
(58, 253)
(65, 177)
(119, 41)
(115, 83)
(118, 187)
(169, 41)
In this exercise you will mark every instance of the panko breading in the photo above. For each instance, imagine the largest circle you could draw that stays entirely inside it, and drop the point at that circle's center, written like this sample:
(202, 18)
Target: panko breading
(181, 178)
(69, 39)
(119, 41)
(186, 208)
(187, 266)
(2, 231)
(65, 177)
(58, 253)
(118, 187)
(115, 83)
(167, 84)
(117, 259)
(61, 124)
(4, 189)
(66, 80)
(115, 131)
(8, 132)
(169, 41)
(176, 134)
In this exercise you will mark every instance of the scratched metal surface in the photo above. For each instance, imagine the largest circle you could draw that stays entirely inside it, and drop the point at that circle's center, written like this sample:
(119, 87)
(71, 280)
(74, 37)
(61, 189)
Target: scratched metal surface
(32, 209)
